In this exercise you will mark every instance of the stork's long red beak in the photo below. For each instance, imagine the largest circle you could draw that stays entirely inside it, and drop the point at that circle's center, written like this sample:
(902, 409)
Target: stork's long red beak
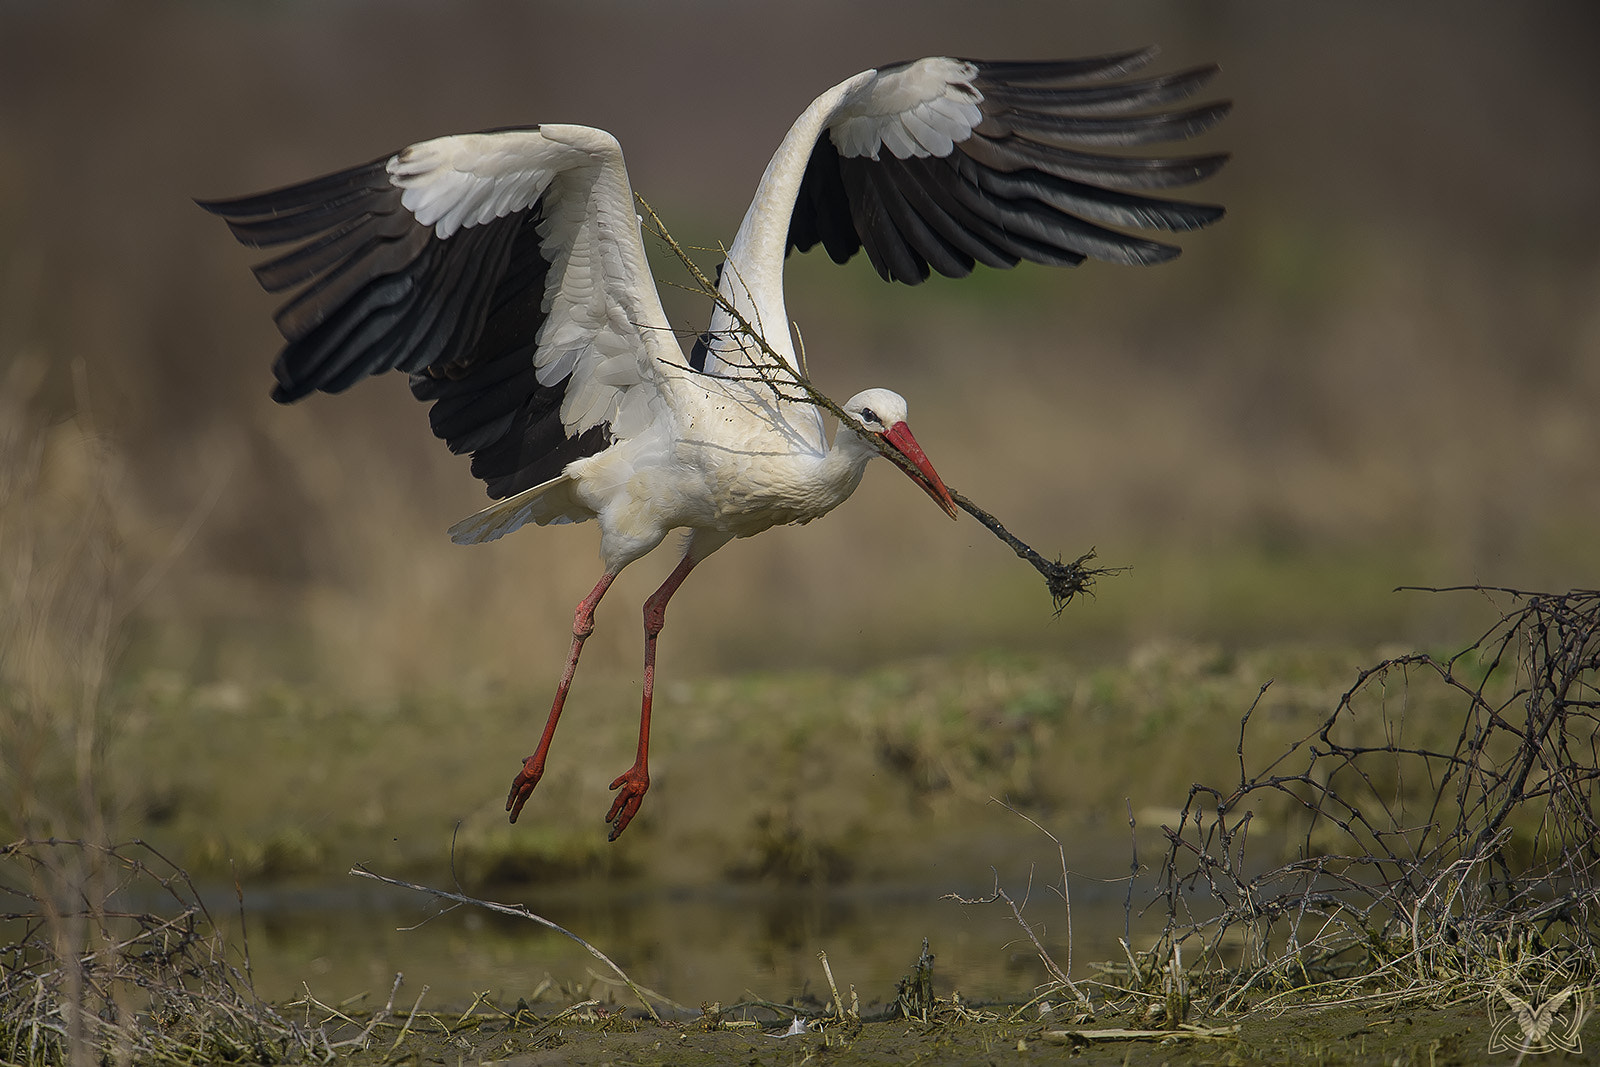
(899, 438)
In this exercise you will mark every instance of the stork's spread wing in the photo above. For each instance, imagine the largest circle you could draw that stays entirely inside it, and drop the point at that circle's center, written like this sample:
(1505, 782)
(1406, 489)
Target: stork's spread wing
(504, 271)
(944, 163)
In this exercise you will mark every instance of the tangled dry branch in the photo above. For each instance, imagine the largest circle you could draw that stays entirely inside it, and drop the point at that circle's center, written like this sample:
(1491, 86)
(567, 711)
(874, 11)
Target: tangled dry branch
(110, 949)
(1416, 862)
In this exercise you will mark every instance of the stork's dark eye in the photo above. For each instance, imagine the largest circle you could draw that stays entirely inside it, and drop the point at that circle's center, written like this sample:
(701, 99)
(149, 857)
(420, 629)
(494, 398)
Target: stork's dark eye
(867, 415)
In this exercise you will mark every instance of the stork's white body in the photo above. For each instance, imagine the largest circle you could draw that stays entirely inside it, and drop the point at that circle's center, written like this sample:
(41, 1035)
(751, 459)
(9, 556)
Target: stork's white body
(506, 272)
(719, 466)
(723, 463)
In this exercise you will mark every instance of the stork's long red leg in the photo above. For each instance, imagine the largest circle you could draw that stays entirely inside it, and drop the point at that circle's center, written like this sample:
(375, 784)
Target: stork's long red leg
(533, 766)
(633, 782)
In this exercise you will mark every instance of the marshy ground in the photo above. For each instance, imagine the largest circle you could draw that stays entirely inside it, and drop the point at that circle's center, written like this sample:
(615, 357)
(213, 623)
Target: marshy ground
(1354, 1034)
(729, 911)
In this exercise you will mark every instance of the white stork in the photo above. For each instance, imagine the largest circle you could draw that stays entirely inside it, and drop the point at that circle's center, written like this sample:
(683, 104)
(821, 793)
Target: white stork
(505, 272)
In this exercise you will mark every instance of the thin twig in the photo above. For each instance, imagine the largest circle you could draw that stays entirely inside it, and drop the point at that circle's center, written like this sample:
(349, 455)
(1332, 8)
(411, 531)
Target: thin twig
(999, 894)
(659, 998)
(520, 911)
(1420, 865)
(410, 1018)
(1066, 891)
(838, 1004)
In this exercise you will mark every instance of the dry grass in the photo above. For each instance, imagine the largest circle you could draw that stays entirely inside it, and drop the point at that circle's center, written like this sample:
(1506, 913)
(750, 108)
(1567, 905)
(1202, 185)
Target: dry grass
(111, 956)
(59, 613)
(1418, 868)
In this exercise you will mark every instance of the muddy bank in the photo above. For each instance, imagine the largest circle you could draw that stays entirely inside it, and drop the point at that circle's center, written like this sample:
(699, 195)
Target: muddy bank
(1351, 1034)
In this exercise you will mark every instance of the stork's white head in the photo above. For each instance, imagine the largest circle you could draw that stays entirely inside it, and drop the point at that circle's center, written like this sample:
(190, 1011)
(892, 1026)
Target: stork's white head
(882, 415)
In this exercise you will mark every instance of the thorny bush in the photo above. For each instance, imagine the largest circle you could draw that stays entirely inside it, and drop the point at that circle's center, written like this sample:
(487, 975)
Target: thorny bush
(1415, 863)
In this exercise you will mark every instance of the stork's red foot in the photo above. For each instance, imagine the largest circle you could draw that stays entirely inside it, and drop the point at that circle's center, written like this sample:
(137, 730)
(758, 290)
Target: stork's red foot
(522, 785)
(633, 782)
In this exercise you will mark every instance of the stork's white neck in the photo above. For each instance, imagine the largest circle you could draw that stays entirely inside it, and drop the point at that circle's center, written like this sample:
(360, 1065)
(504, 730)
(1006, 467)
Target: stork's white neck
(845, 463)
(752, 277)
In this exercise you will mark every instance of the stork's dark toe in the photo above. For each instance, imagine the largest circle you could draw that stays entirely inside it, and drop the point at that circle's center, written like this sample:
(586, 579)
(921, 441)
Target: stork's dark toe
(522, 785)
(633, 783)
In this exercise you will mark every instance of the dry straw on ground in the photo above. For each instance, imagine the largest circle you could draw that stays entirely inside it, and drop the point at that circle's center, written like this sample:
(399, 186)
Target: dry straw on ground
(116, 958)
(1419, 872)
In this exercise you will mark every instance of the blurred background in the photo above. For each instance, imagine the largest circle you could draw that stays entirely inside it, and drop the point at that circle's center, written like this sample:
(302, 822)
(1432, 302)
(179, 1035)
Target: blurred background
(1381, 369)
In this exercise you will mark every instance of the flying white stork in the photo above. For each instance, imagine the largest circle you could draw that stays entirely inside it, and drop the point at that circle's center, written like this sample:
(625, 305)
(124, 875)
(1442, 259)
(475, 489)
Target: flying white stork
(505, 272)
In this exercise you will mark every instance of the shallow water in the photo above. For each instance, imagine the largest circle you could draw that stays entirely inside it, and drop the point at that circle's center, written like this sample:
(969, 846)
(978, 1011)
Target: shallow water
(690, 945)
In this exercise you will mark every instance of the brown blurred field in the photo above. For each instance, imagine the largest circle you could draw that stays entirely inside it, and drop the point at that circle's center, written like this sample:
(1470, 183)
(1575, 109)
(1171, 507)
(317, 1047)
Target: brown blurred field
(1382, 368)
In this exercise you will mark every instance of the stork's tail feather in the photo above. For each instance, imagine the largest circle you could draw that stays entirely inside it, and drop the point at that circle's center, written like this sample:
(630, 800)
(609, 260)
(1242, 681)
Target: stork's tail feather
(503, 516)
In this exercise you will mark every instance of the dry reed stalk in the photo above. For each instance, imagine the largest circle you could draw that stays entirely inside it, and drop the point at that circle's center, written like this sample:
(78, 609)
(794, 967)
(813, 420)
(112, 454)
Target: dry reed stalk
(144, 981)
(519, 911)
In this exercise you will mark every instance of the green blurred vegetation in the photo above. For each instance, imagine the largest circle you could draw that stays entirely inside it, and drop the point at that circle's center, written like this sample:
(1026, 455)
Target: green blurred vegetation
(788, 778)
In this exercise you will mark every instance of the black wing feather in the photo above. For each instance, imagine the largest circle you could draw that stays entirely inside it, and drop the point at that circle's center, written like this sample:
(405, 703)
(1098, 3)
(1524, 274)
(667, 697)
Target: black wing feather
(886, 247)
(946, 186)
(378, 291)
(1115, 99)
(966, 236)
(823, 208)
(1088, 68)
(1029, 183)
(931, 249)
(316, 256)
(1105, 131)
